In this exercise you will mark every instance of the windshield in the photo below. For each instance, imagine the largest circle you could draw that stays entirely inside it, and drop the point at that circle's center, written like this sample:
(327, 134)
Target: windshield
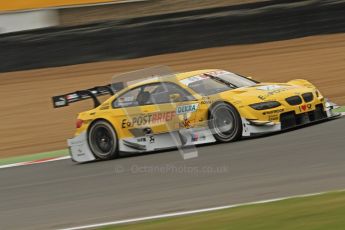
(216, 81)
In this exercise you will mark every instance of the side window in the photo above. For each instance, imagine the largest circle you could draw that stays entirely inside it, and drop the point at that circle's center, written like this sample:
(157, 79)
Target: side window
(170, 92)
(156, 93)
(128, 99)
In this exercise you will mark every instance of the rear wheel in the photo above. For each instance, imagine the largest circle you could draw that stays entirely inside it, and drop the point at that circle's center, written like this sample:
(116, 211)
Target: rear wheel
(102, 140)
(225, 122)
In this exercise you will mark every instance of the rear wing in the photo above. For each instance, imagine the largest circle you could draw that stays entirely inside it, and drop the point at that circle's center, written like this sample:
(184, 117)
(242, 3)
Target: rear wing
(92, 93)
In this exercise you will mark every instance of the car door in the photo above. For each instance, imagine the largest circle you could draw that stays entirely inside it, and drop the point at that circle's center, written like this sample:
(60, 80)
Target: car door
(177, 105)
(153, 109)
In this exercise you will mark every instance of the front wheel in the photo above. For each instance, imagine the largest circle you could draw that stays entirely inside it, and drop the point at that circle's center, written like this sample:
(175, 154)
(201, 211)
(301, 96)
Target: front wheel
(225, 122)
(103, 140)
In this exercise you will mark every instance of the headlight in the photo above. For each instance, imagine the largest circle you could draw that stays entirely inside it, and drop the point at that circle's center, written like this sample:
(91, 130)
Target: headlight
(265, 105)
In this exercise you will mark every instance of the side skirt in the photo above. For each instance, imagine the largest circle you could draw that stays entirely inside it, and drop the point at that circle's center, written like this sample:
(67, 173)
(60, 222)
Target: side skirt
(153, 142)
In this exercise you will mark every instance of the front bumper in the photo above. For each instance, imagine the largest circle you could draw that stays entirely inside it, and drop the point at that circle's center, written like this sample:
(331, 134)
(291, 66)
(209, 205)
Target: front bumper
(288, 120)
(253, 127)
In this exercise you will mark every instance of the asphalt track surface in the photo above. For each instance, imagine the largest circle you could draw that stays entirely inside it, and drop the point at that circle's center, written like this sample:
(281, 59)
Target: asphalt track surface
(64, 194)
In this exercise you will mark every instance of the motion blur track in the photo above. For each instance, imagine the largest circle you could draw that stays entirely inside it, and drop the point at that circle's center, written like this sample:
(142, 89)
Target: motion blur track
(63, 194)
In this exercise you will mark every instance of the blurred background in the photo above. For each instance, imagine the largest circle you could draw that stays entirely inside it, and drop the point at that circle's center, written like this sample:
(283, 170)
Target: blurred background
(50, 47)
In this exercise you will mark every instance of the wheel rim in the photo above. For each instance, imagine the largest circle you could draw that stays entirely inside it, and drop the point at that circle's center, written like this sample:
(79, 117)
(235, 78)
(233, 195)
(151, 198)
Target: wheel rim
(224, 124)
(102, 140)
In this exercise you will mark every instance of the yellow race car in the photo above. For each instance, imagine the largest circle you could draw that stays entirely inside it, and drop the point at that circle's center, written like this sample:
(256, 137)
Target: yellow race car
(168, 110)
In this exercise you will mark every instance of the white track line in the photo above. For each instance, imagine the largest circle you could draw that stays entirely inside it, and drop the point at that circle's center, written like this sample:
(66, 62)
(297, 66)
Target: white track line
(174, 214)
(33, 162)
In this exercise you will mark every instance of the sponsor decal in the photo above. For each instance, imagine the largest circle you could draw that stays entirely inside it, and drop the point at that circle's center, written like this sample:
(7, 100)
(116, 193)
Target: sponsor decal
(273, 89)
(217, 73)
(273, 111)
(72, 96)
(148, 119)
(152, 139)
(61, 102)
(273, 117)
(196, 78)
(141, 139)
(185, 124)
(305, 107)
(206, 101)
(80, 152)
(269, 87)
(203, 76)
(126, 99)
(197, 137)
(183, 109)
(126, 104)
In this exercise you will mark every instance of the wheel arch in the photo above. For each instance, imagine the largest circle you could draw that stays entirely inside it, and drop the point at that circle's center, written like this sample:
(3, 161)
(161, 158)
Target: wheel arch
(105, 120)
(220, 102)
(97, 120)
(112, 126)
(239, 119)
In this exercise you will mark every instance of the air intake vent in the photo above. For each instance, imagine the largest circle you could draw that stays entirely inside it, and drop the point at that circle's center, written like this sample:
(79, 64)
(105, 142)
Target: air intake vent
(308, 97)
(294, 100)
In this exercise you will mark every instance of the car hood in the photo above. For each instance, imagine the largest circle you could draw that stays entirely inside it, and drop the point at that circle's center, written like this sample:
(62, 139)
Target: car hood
(266, 92)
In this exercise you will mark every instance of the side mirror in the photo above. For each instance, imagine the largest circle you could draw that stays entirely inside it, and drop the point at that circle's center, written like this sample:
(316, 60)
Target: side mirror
(175, 97)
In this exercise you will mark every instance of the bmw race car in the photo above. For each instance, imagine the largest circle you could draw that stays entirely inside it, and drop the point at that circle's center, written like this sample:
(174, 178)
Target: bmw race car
(167, 110)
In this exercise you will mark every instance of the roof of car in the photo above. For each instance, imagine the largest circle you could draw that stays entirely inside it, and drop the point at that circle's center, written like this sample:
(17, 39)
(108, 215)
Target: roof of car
(171, 77)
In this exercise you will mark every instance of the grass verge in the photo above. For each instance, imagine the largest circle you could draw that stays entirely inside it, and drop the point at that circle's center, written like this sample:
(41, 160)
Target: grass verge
(340, 109)
(321, 212)
(33, 157)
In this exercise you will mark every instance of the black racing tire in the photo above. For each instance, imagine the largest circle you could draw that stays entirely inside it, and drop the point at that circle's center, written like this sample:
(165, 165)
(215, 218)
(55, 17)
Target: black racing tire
(103, 140)
(225, 122)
